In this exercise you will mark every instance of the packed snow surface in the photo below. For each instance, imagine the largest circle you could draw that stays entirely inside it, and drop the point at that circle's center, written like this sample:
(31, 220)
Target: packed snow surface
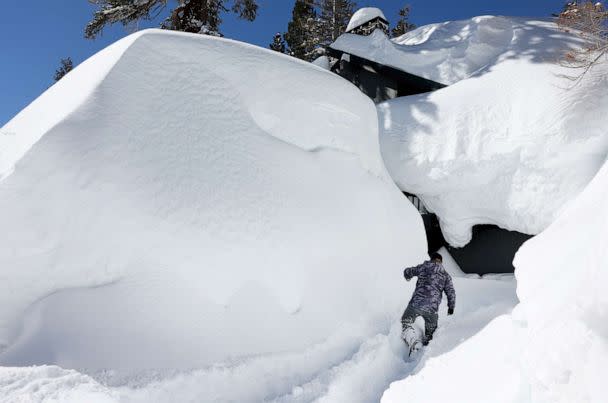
(355, 364)
(554, 347)
(364, 15)
(509, 145)
(190, 210)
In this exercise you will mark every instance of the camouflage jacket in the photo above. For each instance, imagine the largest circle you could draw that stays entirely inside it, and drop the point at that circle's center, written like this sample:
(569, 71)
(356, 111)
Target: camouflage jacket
(433, 280)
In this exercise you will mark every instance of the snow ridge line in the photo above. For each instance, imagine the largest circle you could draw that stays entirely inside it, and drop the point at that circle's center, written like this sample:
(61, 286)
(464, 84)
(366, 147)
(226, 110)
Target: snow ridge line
(19, 135)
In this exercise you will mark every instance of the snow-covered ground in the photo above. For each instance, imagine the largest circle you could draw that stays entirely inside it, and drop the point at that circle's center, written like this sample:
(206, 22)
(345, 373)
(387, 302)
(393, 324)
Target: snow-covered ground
(510, 143)
(355, 364)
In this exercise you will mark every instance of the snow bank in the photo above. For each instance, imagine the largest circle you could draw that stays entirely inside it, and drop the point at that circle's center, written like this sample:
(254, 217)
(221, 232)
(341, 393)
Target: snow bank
(554, 347)
(562, 274)
(509, 146)
(190, 209)
(364, 15)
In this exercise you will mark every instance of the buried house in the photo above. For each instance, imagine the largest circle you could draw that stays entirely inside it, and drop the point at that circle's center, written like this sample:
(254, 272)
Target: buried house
(430, 58)
(360, 56)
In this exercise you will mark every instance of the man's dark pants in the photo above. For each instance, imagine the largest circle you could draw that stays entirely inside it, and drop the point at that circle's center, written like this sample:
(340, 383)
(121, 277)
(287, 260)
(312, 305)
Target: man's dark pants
(430, 321)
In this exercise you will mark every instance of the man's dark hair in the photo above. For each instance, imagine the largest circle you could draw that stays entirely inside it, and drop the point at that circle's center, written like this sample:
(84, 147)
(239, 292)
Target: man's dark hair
(436, 256)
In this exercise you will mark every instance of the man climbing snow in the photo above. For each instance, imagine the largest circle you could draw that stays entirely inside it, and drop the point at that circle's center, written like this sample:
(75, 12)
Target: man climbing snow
(433, 280)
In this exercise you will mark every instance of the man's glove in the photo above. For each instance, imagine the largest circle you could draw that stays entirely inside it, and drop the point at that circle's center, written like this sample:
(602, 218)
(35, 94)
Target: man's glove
(450, 311)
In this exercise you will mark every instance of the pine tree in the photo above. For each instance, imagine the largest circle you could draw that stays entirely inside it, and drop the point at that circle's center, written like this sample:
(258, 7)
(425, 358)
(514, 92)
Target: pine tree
(123, 11)
(204, 16)
(66, 66)
(302, 34)
(334, 18)
(278, 43)
(403, 25)
(198, 16)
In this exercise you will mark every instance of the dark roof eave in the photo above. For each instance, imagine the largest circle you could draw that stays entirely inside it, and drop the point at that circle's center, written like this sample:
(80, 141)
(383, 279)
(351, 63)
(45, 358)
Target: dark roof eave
(393, 72)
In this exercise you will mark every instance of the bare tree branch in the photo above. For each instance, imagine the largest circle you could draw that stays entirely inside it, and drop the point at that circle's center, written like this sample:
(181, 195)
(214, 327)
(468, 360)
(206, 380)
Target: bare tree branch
(589, 21)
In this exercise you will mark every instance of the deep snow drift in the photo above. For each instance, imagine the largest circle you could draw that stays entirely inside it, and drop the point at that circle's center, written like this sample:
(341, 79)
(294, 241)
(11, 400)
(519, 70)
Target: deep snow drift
(190, 210)
(554, 347)
(509, 145)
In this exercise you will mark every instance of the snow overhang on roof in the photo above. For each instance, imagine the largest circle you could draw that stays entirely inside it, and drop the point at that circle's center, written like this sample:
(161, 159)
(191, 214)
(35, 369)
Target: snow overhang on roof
(379, 50)
(444, 52)
(363, 16)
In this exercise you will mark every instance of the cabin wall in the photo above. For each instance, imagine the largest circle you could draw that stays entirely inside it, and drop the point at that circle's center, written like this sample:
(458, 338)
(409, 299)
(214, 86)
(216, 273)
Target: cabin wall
(379, 88)
(491, 249)
(377, 81)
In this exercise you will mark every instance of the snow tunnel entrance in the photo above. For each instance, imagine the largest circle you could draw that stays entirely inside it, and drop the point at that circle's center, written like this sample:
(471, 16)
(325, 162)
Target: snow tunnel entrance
(491, 249)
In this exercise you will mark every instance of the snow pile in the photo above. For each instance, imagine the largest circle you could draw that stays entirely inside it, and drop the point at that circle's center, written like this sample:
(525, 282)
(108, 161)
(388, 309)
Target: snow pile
(554, 347)
(187, 209)
(508, 146)
(364, 15)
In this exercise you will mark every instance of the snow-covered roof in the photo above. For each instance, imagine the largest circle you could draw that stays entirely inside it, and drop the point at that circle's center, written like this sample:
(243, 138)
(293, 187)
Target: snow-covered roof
(444, 52)
(501, 147)
(364, 15)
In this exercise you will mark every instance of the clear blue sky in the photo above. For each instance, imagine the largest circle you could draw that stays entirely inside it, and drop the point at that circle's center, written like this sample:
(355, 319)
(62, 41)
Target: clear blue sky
(36, 34)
